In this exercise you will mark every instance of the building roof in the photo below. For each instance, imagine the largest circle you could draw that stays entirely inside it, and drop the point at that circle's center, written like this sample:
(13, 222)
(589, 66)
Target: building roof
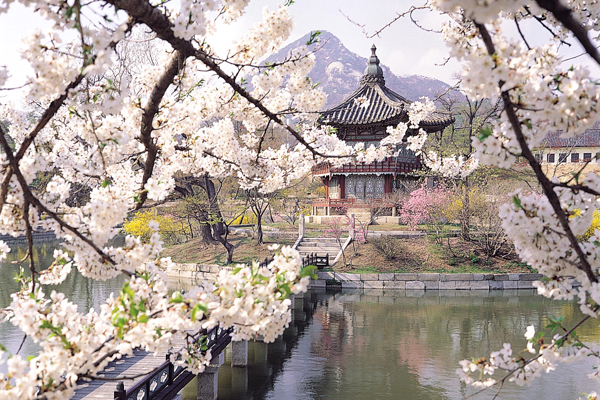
(589, 138)
(373, 103)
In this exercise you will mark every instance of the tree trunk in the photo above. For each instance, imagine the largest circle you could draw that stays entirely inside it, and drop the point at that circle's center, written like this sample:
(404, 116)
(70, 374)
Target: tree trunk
(185, 189)
(214, 210)
(259, 232)
(219, 228)
(206, 234)
(465, 220)
(228, 246)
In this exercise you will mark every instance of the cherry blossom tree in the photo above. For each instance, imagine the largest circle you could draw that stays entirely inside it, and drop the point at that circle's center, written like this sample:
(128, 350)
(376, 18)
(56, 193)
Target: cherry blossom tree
(511, 51)
(421, 206)
(126, 141)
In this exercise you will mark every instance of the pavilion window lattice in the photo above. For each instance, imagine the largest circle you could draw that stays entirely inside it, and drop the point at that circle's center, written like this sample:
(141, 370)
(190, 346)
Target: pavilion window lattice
(365, 187)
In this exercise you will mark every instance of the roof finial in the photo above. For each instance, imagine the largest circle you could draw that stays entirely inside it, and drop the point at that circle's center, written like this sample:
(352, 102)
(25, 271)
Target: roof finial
(373, 73)
(373, 59)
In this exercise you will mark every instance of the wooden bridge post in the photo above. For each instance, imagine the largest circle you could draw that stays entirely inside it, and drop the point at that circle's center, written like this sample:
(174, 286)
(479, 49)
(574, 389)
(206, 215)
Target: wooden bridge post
(239, 353)
(301, 223)
(209, 379)
(120, 391)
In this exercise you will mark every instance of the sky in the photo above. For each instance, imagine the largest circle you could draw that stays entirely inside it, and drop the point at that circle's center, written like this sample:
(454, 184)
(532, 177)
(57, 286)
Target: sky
(403, 47)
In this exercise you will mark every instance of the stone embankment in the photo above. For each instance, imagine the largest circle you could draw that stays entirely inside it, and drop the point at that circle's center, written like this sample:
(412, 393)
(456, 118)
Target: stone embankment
(37, 237)
(198, 273)
(426, 281)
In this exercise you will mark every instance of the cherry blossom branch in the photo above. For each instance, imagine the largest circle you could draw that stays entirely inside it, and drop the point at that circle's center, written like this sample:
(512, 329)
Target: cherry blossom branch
(30, 198)
(530, 360)
(48, 114)
(582, 188)
(29, 236)
(398, 16)
(541, 22)
(144, 12)
(150, 111)
(546, 184)
(563, 14)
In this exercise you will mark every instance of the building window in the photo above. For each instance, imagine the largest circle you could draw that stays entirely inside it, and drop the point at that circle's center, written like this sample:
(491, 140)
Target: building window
(334, 190)
(575, 157)
(587, 156)
(562, 157)
(538, 156)
(550, 158)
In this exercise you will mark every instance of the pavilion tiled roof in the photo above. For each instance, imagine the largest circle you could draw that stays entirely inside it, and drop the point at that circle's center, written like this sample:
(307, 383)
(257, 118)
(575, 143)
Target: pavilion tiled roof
(374, 103)
(589, 138)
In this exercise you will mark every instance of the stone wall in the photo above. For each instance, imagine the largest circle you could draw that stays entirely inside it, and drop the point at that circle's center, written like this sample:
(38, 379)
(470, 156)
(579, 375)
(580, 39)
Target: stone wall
(430, 281)
(37, 237)
(198, 273)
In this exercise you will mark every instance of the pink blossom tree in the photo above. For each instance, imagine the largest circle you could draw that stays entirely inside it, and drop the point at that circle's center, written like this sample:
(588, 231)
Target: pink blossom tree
(421, 206)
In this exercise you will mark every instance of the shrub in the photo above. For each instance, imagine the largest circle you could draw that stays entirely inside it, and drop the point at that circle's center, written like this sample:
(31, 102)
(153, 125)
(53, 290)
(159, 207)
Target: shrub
(388, 246)
(245, 219)
(593, 226)
(422, 206)
(138, 226)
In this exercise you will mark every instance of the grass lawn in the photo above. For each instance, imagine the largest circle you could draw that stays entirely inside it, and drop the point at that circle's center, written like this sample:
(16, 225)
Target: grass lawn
(409, 255)
(424, 255)
(246, 251)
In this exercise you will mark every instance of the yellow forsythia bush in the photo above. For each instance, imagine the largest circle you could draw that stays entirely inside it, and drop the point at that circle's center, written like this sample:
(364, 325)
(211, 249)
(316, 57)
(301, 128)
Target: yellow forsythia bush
(592, 229)
(455, 206)
(245, 219)
(138, 225)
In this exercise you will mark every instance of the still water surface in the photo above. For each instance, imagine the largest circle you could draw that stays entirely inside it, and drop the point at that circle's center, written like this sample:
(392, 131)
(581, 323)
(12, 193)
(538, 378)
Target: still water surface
(399, 345)
(367, 345)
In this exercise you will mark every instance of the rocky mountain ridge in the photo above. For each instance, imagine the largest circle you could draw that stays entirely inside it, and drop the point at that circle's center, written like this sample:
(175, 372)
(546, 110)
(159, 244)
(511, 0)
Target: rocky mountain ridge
(338, 71)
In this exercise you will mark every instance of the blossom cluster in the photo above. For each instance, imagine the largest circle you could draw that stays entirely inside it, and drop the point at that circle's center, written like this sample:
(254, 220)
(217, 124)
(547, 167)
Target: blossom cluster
(453, 166)
(253, 300)
(564, 349)
(540, 92)
(124, 138)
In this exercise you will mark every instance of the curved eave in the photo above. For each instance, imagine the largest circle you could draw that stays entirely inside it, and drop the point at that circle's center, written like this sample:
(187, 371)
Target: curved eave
(385, 107)
(437, 124)
(428, 125)
(382, 105)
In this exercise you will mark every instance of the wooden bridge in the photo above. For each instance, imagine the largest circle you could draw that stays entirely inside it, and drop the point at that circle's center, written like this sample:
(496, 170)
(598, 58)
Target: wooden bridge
(155, 377)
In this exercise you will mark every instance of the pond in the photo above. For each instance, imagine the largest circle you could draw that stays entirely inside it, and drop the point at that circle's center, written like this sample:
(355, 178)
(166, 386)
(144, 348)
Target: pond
(399, 345)
(86, 293)
(367, 345)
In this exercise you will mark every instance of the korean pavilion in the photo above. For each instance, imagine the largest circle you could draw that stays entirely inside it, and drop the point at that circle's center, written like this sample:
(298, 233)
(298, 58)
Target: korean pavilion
(355, 186)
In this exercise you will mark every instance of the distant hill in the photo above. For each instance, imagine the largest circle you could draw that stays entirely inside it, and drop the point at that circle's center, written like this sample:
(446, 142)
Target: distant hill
(338, 70)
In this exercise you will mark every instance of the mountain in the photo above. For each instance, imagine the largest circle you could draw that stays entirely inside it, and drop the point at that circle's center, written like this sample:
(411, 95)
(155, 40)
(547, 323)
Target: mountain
(338, 71)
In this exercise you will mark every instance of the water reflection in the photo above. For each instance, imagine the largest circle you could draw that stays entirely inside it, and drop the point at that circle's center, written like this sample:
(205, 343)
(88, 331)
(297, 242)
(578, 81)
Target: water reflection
(365, 345)
(84, 292)
(398, 345)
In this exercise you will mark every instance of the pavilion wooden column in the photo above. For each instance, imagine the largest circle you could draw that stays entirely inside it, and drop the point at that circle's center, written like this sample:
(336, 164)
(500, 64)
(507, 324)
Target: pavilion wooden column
(342, 184)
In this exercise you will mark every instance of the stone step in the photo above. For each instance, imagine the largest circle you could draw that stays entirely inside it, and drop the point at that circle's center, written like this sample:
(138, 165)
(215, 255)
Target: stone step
(317, 244)
(318, 249)
(322, 240)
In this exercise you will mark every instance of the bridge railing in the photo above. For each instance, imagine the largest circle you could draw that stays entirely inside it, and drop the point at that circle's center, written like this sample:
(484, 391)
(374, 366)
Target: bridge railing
(316, 260)
(164, 375)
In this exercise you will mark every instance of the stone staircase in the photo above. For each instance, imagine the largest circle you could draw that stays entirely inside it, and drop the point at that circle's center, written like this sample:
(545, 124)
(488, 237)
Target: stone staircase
(320, 247)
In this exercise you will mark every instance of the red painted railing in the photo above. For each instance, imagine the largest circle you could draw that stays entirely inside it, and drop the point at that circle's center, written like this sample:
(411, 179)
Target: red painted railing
(387, 165)
(351, 203)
